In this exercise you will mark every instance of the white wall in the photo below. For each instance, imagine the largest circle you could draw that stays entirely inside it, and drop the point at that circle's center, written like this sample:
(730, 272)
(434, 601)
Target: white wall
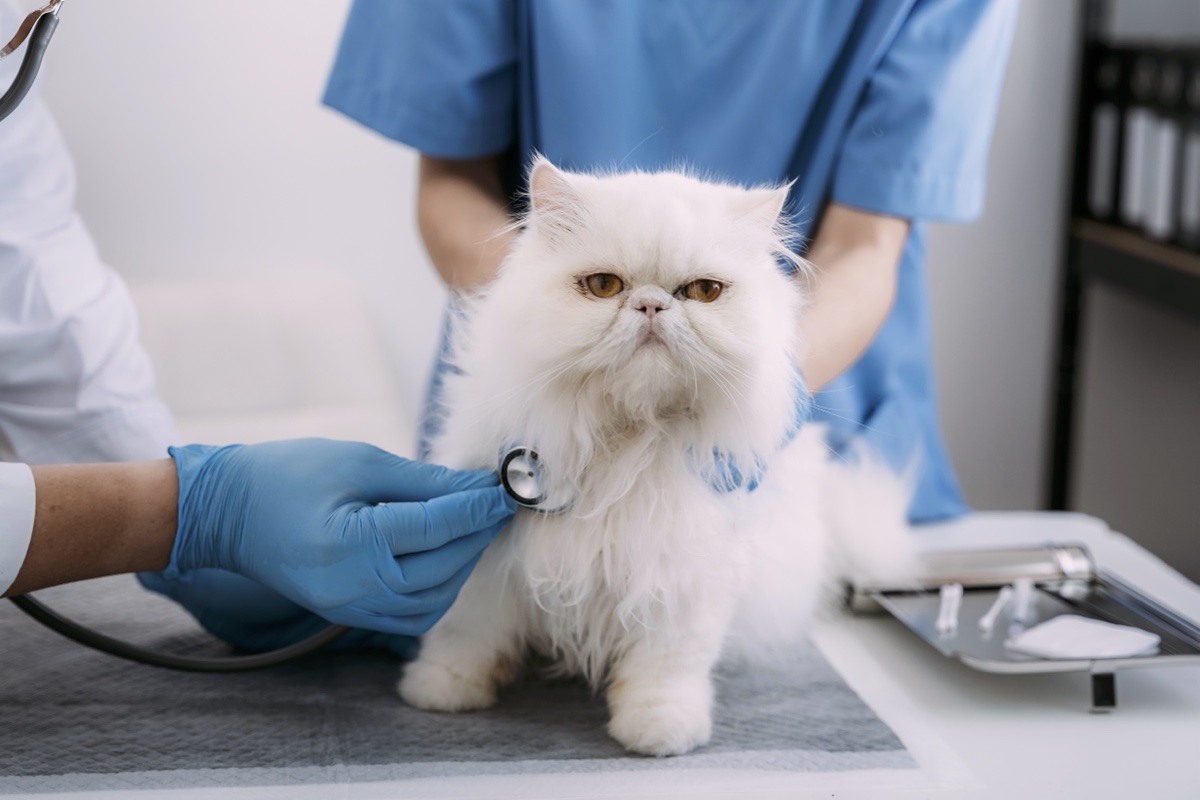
(203, 150)
(994, 282)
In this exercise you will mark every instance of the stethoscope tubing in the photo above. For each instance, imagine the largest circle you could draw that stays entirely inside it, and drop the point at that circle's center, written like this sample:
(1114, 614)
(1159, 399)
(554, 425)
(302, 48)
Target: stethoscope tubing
(35, 49)
(115, 647)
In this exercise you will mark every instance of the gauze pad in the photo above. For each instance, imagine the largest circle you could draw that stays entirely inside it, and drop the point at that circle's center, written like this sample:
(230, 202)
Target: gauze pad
(1069, 636)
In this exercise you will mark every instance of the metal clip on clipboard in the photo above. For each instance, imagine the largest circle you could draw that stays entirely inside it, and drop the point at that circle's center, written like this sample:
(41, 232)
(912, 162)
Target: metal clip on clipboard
(1066, 581)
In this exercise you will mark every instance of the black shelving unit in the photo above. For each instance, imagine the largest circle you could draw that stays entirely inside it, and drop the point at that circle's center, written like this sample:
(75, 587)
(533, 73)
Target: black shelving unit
(1119, 257)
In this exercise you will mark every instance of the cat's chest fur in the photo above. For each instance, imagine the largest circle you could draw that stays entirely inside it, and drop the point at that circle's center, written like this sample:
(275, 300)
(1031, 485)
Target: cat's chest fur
(606, 572)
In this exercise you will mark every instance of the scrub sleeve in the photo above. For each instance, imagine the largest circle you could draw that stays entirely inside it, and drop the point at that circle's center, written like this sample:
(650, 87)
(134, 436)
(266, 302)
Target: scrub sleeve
(918, 141)
(440, 77)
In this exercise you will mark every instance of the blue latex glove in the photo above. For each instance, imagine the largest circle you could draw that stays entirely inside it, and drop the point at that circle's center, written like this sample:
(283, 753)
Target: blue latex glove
(252, 617)
(726, 474)
(359, 536)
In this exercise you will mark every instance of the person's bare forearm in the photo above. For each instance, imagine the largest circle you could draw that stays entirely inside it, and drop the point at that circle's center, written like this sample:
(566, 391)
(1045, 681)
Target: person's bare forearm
(463, 216)
(856, 257)
(93, 520)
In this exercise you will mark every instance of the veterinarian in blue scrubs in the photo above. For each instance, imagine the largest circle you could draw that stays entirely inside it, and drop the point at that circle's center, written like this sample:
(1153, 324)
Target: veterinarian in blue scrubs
(880, 111)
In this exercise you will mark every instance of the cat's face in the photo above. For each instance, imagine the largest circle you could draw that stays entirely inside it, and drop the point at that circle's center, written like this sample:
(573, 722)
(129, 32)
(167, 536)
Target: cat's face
(659, 290)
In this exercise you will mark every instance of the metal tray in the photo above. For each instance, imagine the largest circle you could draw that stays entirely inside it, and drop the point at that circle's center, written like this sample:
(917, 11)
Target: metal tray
(1065, 580)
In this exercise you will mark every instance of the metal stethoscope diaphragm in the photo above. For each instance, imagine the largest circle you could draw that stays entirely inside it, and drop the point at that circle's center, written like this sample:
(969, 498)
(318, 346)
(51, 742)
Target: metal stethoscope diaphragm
(523, 474)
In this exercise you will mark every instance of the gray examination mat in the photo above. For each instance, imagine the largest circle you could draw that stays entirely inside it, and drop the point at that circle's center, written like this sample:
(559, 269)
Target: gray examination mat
(75, 720)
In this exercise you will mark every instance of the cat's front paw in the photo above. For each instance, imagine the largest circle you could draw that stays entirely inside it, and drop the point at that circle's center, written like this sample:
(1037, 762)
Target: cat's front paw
(670, 723)
(432, 687)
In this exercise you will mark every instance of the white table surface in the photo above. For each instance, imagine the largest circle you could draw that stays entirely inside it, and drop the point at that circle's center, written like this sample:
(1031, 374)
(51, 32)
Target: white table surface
(975, 734)
(1032, 735)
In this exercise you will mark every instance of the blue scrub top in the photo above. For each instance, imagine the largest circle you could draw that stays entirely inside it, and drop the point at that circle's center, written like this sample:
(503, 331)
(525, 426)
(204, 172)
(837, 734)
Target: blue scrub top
(884, 105)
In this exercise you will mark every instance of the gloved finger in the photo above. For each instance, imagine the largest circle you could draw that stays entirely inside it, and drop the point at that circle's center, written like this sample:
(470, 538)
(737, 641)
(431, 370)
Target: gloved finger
(360, 640)
(382, 623)
(416, 527)
(388, 478)
(257, 637)
(237, 597)
(397, 599)
(233, 608)
(440, 598)
(159, 583)
(416, 573)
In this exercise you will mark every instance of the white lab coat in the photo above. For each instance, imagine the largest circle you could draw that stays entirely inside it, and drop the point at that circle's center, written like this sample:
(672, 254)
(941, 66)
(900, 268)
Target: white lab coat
(75, 383)
(17, 501)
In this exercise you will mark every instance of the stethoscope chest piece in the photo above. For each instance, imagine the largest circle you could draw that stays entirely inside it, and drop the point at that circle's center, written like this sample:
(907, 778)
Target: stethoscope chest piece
(523, 475)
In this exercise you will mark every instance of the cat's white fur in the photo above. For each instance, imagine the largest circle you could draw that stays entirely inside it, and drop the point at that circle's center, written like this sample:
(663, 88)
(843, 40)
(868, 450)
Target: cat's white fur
(651, 574)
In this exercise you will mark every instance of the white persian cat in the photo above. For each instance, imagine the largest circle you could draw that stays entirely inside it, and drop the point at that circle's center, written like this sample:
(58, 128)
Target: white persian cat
(641, 337)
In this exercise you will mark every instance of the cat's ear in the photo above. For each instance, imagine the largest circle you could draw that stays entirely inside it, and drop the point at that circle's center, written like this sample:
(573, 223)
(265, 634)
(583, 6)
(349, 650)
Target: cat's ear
(762, 207)
(555, 204)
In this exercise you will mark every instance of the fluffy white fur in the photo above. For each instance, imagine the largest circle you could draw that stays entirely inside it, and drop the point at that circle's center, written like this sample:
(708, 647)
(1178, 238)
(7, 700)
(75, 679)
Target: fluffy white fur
(651, 575)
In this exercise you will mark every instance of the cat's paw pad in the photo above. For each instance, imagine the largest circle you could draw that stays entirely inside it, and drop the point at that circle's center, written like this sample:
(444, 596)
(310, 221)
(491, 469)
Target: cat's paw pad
(432, 687)
(667, 729)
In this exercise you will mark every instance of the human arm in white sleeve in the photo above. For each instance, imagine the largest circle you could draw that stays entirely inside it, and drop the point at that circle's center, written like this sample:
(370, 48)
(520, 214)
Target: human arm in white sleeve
(90, 520)
(17, 503)
(353, 533)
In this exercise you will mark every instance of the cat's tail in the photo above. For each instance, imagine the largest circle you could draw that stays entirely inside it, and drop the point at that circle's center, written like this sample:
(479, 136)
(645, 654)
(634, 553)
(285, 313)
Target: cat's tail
(818, 523)
(865, 504)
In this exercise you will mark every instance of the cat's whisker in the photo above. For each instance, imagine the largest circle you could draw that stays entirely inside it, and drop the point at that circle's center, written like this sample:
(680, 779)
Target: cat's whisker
(834, 453)
(723, 386)
(847, 388)
(539, 382)
(695, 383)
(862, 425)
(535, 383)
(635, 148)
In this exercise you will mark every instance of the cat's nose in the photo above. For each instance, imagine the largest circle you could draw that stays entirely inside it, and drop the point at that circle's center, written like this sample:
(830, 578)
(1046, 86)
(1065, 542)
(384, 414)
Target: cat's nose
(650, 302)
(649, 308)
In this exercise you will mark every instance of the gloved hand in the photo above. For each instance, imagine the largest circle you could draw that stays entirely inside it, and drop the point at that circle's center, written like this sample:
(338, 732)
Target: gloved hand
(253, 618)
(357, 535)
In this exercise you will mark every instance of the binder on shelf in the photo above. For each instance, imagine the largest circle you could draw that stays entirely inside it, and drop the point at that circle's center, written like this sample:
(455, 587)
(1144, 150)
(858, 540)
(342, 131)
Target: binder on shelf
(1141, 123)
(1140, 140)
(1105, 134)
(1189, 172)
(1160, 189)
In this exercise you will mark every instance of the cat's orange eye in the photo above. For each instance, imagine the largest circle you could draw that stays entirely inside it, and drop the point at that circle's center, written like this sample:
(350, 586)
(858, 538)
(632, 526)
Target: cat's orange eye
(604, 284)
(704, 290)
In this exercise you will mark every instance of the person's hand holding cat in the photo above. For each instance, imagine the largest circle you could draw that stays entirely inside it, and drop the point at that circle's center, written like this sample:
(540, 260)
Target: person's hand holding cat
(380, 542)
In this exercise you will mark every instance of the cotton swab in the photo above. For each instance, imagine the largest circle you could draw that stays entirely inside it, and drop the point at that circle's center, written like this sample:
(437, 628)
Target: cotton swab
(951, 601)
(988, 620)
(1022, 600)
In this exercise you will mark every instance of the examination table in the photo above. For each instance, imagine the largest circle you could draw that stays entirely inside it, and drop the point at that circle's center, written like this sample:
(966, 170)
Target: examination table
(82, 725)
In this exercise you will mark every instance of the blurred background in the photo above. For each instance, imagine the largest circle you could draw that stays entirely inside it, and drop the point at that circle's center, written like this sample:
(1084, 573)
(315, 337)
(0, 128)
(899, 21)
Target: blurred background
(205, 156)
